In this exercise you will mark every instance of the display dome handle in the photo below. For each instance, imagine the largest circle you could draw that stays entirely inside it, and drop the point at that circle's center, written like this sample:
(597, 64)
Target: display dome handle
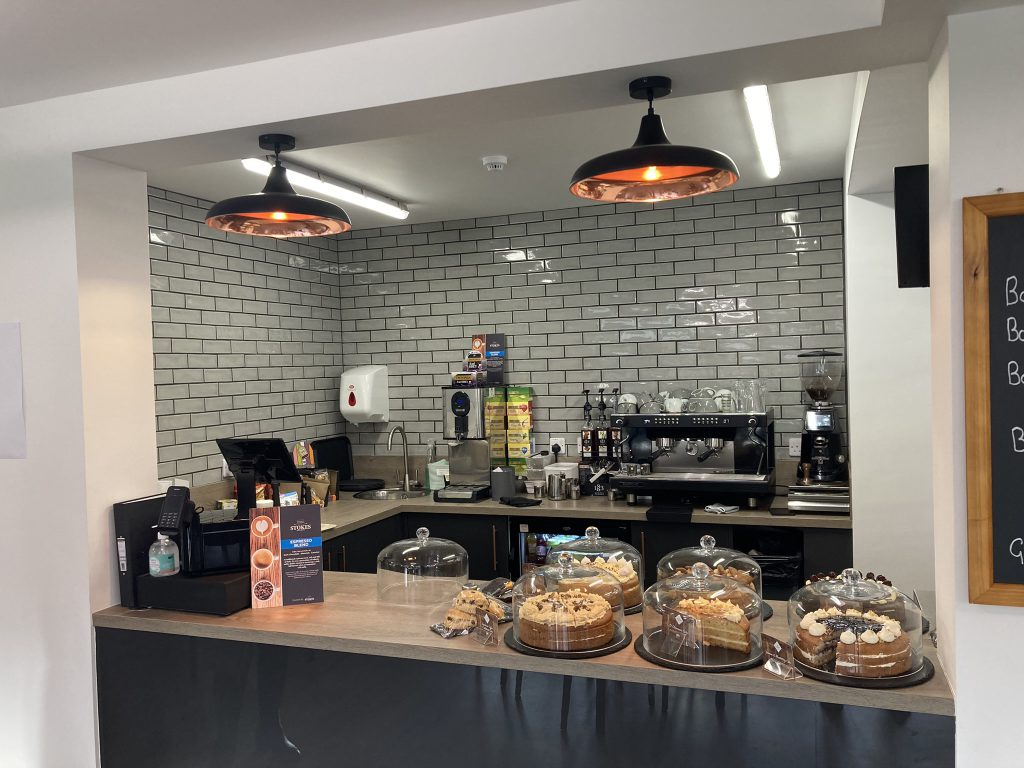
(592, 532)
(700, 572)
(851, 576)
(707, 542)
(565, 563)
(422, 534)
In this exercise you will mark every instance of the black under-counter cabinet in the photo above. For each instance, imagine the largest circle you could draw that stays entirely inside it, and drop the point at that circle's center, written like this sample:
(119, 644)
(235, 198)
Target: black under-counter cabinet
(356, 551)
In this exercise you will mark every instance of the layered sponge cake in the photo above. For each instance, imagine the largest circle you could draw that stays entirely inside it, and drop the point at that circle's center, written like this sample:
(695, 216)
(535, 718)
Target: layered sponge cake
(852, 643)
(623, 571)
(720, 624)
(566, 621)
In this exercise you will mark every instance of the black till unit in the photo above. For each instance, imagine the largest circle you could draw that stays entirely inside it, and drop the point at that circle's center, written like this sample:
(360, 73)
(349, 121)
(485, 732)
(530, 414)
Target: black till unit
(214, 549)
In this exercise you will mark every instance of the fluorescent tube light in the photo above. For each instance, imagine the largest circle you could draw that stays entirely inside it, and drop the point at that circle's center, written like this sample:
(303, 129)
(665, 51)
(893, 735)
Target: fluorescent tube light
(320, 184)
(759, 107)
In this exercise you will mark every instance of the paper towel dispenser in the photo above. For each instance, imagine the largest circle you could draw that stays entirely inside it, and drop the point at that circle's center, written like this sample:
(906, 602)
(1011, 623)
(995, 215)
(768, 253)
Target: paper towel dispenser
(364, 394)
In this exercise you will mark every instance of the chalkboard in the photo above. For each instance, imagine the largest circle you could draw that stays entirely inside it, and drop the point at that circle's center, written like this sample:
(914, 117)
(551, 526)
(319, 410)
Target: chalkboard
(994, 396)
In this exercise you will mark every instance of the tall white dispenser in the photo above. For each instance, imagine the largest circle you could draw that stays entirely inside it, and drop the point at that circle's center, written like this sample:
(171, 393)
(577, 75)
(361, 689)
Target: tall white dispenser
(365, 395)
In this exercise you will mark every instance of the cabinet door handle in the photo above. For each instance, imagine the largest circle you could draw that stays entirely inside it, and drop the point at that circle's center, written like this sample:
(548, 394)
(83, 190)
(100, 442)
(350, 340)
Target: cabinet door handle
(494, 547)
(344, 559)
(643, 546)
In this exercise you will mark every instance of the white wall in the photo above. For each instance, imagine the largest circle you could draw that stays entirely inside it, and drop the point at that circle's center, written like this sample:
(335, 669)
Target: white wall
(45, 639)
(889, 390)
(888, 330)
(46, 711)
(117, 371)
(980, 75)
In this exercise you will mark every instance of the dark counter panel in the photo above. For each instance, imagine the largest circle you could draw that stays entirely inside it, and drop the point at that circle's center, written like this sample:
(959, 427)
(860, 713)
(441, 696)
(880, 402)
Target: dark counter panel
(167, 701)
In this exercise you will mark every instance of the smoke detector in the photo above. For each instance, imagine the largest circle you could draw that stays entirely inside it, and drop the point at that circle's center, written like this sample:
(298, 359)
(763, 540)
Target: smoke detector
(495, 162)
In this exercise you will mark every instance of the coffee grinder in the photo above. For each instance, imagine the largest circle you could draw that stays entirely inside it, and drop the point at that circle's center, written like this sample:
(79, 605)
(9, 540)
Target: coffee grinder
(821, 449)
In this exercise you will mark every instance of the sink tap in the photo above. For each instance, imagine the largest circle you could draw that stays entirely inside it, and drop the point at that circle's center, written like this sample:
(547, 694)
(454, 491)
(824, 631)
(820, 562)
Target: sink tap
(405, 453)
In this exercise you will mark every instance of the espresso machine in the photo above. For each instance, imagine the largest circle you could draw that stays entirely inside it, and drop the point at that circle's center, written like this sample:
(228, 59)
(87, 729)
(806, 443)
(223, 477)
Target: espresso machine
(464, 424)
(821, 447)
(696, 458)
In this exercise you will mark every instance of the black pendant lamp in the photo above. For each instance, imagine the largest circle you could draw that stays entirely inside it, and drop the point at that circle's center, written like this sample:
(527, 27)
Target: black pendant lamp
(653, 169)
(278, 211)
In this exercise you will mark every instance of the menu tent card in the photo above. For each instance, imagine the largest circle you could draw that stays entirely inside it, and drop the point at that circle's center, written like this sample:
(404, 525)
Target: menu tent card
(486, 628)
(681, 638)
(286, 556)
(779, 658)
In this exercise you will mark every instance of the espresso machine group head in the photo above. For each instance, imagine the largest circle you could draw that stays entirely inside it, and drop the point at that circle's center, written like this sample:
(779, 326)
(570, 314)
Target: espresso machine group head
(821, 447)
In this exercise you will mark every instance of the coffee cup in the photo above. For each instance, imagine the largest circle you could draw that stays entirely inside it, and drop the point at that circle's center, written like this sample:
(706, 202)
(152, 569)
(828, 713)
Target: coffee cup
(675, 405)
(626, 403)
(262, 559)
(262, 525)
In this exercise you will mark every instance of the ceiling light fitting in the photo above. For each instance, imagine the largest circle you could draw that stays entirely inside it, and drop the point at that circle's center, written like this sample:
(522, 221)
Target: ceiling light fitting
(759, 108)
(653, 169)
(320, 183)
(278, 211)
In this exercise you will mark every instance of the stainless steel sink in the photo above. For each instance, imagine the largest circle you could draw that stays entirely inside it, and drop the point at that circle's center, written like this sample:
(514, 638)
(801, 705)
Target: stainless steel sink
(390, 494)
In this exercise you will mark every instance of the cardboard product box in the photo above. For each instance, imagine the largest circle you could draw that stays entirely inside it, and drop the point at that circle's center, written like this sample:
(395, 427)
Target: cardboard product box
(494, 358)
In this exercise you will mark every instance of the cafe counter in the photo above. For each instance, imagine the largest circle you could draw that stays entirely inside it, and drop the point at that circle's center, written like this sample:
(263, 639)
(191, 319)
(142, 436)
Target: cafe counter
(356, 680)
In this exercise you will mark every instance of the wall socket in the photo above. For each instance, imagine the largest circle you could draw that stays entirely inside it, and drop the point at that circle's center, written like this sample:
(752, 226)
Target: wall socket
(794, 447)
(225, 473)
(560, 442)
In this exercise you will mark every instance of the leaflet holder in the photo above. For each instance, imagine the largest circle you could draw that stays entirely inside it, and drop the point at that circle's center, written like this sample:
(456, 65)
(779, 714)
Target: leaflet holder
(258, 460)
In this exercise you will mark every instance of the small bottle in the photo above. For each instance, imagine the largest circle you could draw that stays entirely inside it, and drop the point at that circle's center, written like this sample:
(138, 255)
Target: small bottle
(164, 558)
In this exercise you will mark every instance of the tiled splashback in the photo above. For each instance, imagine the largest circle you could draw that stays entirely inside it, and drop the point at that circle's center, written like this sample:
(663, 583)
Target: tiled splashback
(246, 335)
(251, 333)
(701, 291)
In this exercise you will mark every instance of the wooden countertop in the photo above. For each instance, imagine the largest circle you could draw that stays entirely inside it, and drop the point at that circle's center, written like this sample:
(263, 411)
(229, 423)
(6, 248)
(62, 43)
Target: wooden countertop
(352, 620)
(350, 513)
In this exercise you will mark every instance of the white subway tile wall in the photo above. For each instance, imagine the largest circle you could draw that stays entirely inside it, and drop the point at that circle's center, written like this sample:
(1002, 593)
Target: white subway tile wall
(250, 335)
(246, 337)
(697, 292)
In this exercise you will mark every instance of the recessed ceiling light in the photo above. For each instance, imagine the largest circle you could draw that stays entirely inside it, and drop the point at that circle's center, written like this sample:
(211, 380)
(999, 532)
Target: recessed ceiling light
(759, 108)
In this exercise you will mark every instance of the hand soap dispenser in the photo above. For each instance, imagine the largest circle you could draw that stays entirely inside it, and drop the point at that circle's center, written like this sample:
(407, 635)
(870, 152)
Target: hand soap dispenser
(364, 394)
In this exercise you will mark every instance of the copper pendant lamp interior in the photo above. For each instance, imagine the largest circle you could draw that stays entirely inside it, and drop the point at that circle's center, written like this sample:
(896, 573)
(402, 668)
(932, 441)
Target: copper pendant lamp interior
(653, 169)
(278, 211)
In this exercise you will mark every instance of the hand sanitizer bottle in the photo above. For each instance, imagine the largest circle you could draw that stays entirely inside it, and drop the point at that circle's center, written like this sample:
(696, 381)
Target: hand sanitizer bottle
(164, 558)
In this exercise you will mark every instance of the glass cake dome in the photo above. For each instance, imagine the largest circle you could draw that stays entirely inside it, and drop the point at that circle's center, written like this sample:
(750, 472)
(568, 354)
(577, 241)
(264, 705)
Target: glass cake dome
(567, 608)
(421, 571)
(723, 562)
(702, 620)
(613, 556)
(855, 627)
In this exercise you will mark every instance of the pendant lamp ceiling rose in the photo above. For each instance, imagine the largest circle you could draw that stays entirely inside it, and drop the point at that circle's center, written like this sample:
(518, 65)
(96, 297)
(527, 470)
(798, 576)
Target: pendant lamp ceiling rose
(277, 142)
(650, 88)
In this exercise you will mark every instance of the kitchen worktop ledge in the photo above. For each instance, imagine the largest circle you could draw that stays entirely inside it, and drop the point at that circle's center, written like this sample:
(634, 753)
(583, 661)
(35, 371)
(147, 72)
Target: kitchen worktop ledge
(349, 514)
(353, 620)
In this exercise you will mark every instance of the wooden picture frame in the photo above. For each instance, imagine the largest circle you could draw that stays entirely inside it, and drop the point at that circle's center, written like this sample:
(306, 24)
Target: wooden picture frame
(977, 213)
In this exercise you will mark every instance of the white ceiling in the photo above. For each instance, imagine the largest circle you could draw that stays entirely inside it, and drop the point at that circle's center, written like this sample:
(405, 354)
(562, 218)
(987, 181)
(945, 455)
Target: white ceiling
(440, 174)
(57, 47)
